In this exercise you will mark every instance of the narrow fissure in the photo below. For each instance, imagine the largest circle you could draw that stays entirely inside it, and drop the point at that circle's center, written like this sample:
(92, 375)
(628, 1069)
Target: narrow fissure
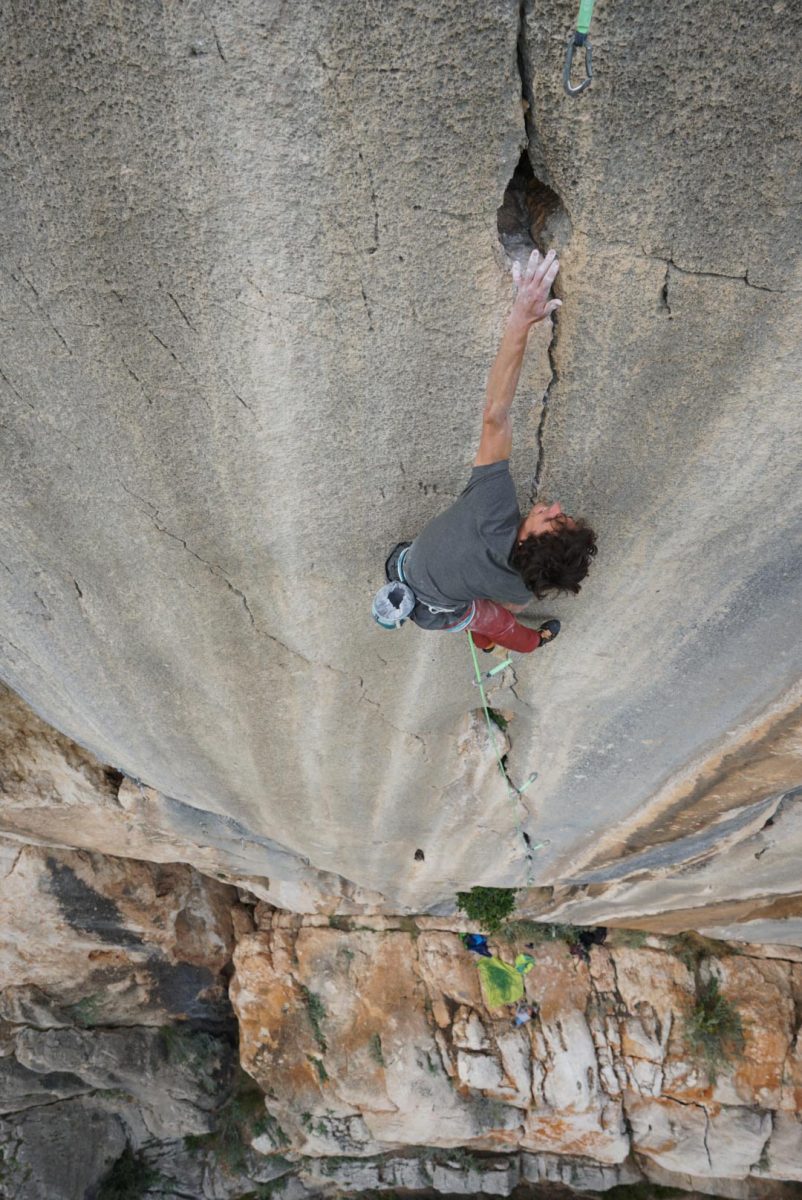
(532, 216)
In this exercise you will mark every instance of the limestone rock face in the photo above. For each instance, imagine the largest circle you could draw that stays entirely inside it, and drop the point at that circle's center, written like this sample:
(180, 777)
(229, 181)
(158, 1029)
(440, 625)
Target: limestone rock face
(369, 1041)
(55, 793)
(116, 1034)
(88, 937)
(251, 286)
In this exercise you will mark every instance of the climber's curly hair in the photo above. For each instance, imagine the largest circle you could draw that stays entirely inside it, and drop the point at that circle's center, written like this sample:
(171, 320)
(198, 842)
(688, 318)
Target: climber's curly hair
(550, 563)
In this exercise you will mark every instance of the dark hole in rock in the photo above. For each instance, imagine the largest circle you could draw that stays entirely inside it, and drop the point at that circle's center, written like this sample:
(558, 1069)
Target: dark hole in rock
(114, 777)
(419, 856)
(530, 213)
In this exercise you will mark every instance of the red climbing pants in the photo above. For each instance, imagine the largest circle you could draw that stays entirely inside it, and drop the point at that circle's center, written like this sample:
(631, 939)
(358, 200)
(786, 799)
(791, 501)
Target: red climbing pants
(492, 623)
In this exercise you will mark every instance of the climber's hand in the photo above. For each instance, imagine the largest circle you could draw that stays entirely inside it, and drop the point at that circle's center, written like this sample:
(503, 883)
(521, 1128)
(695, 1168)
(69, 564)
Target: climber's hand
(533, 285)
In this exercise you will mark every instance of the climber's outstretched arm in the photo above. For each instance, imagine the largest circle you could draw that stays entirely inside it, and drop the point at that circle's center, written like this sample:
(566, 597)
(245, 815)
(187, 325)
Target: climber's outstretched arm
(531, 305)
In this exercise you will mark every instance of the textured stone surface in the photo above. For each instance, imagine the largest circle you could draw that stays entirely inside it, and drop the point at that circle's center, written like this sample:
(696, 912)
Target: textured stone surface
(87, 937)
(371, 1040)
(56, 793)
(251, 285)
(116, 1035)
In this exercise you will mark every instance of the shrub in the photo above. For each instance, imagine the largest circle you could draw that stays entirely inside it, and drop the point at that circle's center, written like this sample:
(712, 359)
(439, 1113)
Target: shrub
(633, 939)
(317, 1013)
(240, 1118)
(129, 1178)
(490, 907)
(540, 931)
(376, 1052)
(713, 1029)
(319, 1066)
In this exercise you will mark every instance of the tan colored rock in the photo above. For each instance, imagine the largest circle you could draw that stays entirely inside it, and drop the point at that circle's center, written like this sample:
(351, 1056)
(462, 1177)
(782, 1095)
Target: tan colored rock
(87, 935)
(784, 1151)
(379, 1039)
(761, 993)
(725, 1141)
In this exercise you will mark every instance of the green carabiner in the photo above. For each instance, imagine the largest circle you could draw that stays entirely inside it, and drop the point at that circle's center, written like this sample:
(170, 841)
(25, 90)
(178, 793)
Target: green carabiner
(580, 38)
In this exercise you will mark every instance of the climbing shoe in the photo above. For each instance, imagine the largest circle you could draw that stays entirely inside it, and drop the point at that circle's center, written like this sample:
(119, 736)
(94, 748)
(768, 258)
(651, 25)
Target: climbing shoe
(548, 631)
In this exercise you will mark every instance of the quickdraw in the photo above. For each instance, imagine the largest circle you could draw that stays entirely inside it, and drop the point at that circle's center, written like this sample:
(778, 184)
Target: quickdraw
(580, 37)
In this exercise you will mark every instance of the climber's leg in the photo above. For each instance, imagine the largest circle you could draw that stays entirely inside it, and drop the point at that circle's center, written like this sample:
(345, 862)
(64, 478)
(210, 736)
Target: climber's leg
(492, 623)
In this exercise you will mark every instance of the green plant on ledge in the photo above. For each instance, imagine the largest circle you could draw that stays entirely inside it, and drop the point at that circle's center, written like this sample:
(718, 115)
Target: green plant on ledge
(490, 907)
(240, 1118)
(130, 1178)
(539, 932)
(713, 1030)
(317, 1014)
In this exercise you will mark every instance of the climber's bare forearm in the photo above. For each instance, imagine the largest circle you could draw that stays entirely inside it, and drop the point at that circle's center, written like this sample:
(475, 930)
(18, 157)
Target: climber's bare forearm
(531, 305)
(506, 369)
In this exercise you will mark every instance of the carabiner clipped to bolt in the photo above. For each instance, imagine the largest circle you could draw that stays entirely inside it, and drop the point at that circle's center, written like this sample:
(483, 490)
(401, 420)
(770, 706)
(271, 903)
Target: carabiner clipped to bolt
(578, 39)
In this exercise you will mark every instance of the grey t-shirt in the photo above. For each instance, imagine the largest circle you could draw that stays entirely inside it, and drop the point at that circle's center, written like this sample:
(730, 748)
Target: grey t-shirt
(463, 554)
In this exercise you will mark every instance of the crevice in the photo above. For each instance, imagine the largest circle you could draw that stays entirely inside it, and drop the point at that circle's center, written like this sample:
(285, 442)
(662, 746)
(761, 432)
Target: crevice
(115, 778)
(217, 44)
(397, 728)
(21, 398)
(15, 1112)
(242, 402)
(367, 309)
(526, 74)
(532, 217)
(180, 309)
(215, 570)
(136, 378)
(375, 203)
(671, 265)
(707, 1131)
(664, 302)
(534, 490)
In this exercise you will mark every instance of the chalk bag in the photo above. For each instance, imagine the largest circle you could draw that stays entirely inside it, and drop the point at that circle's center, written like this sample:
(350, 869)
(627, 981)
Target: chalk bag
(392, 604)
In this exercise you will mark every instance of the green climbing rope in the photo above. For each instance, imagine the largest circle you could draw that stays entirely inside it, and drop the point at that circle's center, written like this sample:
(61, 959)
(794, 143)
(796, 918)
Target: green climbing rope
(514, 792)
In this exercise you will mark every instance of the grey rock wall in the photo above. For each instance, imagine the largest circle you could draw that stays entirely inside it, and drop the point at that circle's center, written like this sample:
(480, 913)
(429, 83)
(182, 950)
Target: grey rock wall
(250, 288)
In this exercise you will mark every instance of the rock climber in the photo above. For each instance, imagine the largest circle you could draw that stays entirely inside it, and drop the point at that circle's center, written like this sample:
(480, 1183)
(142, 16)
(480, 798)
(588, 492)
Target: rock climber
(478, 563)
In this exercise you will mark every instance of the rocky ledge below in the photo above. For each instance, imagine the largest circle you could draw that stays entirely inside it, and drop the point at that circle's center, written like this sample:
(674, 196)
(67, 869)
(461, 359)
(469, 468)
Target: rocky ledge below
(164, 1035)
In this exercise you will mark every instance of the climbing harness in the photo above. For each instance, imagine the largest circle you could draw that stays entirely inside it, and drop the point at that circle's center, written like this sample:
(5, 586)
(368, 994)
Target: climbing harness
(580, 38)
(515, 793)
(394, 602)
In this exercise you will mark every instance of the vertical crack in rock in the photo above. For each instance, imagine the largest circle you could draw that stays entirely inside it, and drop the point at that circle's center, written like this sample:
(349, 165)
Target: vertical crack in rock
(664, 302)
(532, 216)
(707, 1131)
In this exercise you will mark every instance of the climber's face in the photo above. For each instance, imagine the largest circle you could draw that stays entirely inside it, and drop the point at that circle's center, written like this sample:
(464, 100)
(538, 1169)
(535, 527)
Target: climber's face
(544, 518)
